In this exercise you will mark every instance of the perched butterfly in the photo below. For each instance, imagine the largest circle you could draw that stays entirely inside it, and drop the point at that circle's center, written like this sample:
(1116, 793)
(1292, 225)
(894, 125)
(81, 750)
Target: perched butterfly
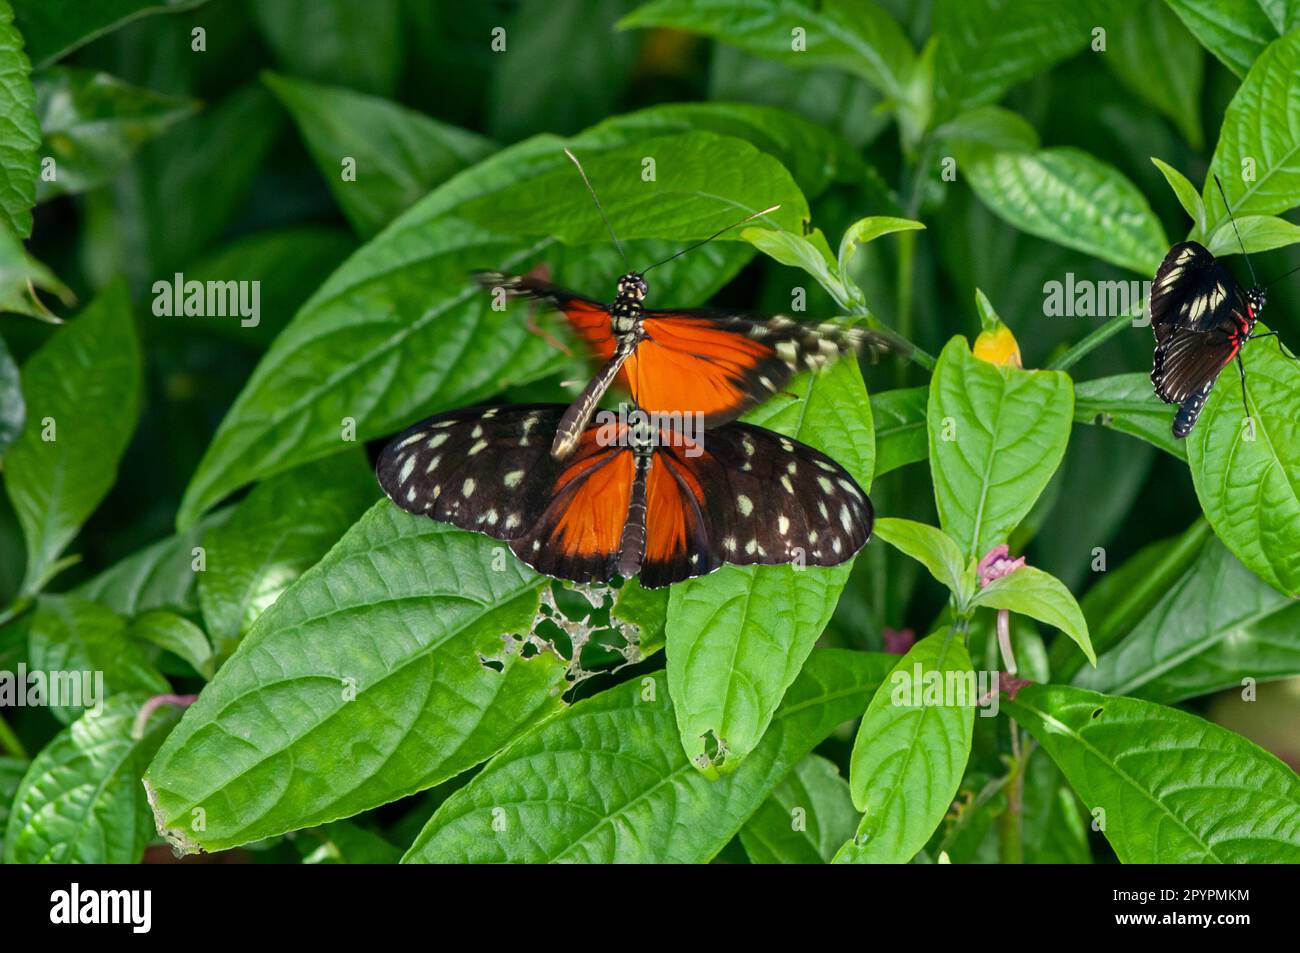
(689, 361)
(1201, 318)
(633, 498)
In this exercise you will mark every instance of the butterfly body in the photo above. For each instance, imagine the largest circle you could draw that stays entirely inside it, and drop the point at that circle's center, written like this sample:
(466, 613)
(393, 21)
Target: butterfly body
(711, 363)
(1201, 318)
(634, 498)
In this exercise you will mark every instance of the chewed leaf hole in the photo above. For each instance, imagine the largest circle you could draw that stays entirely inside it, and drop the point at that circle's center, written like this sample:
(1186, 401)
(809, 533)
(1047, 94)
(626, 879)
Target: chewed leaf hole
(1096, 712)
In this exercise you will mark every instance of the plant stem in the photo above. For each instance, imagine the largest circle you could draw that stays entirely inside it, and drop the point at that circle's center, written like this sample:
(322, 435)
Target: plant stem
(1092, 341)
(1009, 824)
(10, 741)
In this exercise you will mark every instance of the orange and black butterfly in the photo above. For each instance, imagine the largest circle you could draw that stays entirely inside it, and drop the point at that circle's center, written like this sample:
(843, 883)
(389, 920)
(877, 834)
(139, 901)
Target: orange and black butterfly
(717, 364)
(633, 498)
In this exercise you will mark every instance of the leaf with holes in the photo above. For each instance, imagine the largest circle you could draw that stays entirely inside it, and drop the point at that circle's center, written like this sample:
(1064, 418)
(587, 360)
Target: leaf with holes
(1174, 788)
(616, 770)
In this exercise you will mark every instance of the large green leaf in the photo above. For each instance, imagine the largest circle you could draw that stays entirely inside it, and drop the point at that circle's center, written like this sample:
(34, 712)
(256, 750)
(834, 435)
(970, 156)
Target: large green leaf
(1214, 626)
(73, 635)
(1128, 403)
(805, 819)
(984, 47)
(1156, 57)
(854, 35)
(363, 683)
(738, 637)
(399, 154)
(1235, 31)
(997, 434)
(56, 27)
(1258, 155)
(351, 44)
(399, 331)
(614, 785)
(11, 774)
(1175, 788)
(92, 124)
(275, 534)
(1247, 476)
(1071, 198)
(83, 395)
(13, 409)
(81, 801)
(20, 133)
(899, 417)
(163, 575)
(911, 750)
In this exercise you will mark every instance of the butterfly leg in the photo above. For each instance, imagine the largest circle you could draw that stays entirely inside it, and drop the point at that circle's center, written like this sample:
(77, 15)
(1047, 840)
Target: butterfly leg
(1280, 346)
(1244, 402)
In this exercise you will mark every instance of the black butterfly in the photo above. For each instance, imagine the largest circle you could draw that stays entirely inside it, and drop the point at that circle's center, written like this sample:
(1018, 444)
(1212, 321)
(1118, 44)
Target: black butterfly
(1201, 318)
(632, 498)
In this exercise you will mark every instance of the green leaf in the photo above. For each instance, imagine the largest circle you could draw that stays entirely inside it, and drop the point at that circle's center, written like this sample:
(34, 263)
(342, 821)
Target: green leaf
(868, 229)
(92, 124)
(811, 254)
(83, 392)
(19, 274)
(1247, 476)
(1259, 233)
(738, 637)
(354, 45)
(1214, 626)
(1155, 56)
(856, 36)
(997, 434)
(989, 126)
(347, 843)
(1235, 31)
(399, 154)
(371, 669)
(81, 800)
(54, 28)
(177, 635)
(1053, 828)
(911, 751)
(20, 134)
(1258, 155)
(1068, 197)
(616, 769)
(281, 529)
(1283, 14)
(805, 819)
(395, 334)
(72, 635)
(160, 576)
(11, 774)
(899, 417)
(932, 548)
(1040, 596)
(984, 47)
(1127, 403)
(1188, 197)
(13, 409)
(1175, 788)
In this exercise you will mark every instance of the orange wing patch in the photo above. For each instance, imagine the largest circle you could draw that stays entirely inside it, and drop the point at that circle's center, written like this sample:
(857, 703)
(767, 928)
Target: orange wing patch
(592, 495)
(591, 321)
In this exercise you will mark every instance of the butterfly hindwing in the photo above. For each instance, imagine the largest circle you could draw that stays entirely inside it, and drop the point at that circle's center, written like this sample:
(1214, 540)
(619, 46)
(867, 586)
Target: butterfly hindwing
(746, 495)
(589, 318)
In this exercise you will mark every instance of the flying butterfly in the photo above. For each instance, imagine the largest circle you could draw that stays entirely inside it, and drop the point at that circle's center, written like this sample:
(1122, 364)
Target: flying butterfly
(633, 498)
(1201, 318)
(685, 361)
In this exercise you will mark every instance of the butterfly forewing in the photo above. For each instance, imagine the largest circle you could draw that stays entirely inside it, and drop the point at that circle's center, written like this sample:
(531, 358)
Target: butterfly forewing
(1192, 289)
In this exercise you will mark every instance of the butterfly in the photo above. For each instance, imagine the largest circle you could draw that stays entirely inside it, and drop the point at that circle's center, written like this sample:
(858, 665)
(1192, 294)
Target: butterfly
(713, 363)
(634, 498)
(1201, 318)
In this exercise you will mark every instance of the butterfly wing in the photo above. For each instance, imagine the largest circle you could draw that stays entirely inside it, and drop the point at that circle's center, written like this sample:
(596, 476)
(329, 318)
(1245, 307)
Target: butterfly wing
(722, 364)
(1192, 289)
(491, 471)
(589, 318)
(745, 495)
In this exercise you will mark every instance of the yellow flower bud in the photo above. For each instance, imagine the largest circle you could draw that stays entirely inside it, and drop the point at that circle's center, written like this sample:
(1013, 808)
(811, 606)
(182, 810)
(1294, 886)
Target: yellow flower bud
(998, 346)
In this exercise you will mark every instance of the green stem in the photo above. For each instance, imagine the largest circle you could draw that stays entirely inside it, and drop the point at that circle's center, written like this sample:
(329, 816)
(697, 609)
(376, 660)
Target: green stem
(9, 741)
(1092, 342)
(1009, 824)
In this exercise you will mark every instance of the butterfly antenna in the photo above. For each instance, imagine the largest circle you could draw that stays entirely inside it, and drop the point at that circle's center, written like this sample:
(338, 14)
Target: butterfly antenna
(748, 218)
(599, 208)
(1226, 206)
(1283, 275)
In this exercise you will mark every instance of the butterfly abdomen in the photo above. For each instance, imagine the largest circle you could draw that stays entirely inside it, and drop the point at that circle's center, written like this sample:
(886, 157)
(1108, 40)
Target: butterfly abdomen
(1188, 412)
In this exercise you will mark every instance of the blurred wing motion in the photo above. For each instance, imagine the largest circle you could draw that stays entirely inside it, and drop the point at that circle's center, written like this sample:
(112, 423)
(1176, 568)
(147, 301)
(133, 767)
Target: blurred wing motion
(710, 362)
(672, 511)
(1200, 317)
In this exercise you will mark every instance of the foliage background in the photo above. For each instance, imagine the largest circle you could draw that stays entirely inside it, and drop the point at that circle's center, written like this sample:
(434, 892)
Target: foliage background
(223, 164)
